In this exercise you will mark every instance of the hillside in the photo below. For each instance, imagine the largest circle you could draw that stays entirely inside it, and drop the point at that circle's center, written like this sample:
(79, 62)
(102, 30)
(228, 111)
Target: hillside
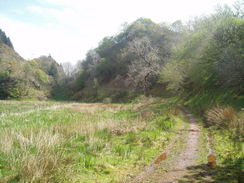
(29, 79)
(51, 68)
(125, 64)
(155, 59)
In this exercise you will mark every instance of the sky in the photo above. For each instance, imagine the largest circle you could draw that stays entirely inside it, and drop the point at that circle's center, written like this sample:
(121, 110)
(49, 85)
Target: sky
(67, 29)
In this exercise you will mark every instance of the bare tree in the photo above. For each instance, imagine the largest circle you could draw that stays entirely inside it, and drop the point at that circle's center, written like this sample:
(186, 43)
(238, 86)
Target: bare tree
(68, 69)
(145, 66)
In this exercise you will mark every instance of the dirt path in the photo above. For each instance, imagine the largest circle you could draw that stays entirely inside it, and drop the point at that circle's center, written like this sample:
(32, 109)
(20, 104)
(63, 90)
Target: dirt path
(177, 165)
(187, 158)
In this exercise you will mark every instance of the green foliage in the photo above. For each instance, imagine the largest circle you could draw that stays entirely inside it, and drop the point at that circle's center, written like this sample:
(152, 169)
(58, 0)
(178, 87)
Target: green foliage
(11, 87)
(209, 57)
(80, 80)
(230, 156)
(164, 123)
(111, 62)
(121, 96)
(30, 79)
(51, 68)
(42, 76)
(104, 69)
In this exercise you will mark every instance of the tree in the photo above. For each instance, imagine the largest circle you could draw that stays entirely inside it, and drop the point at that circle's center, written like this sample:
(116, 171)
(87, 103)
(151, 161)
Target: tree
(68, 69)
(210, 55)
(145, 66)
(92, 59)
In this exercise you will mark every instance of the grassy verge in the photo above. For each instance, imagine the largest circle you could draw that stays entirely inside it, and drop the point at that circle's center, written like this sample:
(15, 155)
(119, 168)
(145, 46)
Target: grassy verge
(230, 156)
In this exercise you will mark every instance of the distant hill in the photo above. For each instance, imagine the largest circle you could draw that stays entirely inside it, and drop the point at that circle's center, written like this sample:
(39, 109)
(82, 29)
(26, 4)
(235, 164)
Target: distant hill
(21, 78)
(50, 67)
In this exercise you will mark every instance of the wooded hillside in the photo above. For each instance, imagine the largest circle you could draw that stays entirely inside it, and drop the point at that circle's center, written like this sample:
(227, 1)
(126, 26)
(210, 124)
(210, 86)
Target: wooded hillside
(29, 79)
(202, 55)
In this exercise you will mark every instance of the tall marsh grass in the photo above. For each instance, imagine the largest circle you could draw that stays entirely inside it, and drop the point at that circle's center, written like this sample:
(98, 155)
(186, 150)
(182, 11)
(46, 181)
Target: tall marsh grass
(81, 142)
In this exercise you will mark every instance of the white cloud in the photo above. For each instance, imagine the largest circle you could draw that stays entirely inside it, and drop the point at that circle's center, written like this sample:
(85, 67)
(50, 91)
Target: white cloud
(73, 26)
(32, 41)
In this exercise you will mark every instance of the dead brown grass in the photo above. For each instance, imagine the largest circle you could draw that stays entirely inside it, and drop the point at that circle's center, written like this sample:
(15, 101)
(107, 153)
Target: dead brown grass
(221, 116)
(6, 140)
(226, 117)
(40, 166)
(93, 107)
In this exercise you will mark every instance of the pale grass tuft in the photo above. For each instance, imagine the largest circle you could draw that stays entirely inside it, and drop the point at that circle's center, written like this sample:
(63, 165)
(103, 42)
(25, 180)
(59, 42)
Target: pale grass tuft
(227, 117)
(84, 128)
(40, 139)
(127, 127)
(221, 116)
(40, 166)
(6, 140)
(45, 138)
(94, 107)
(32, 166)
(116, 127)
